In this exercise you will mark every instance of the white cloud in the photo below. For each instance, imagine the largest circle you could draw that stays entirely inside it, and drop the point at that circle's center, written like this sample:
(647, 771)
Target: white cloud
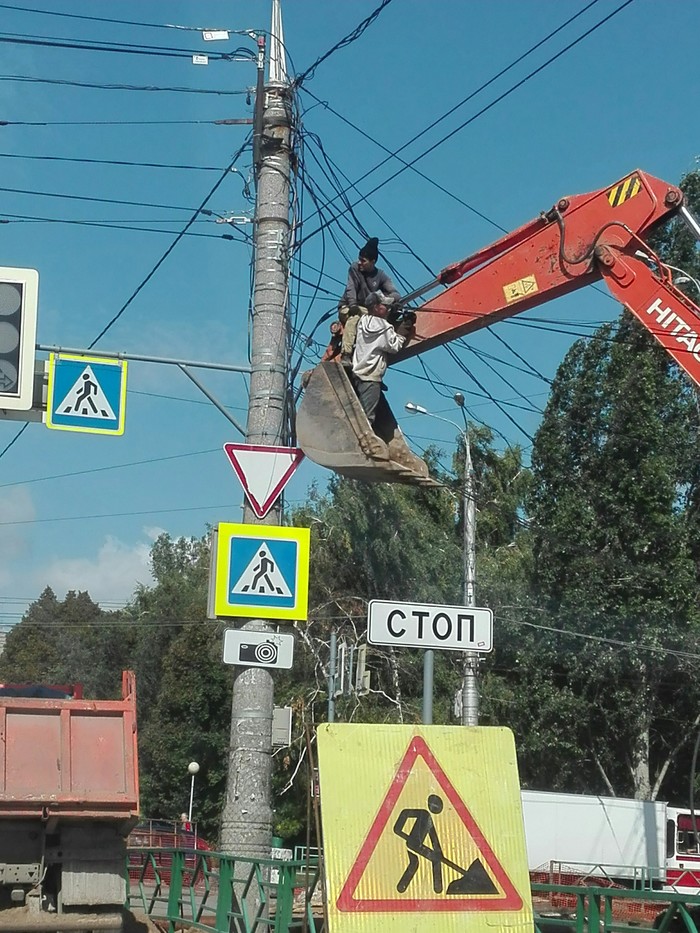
(111, 576)
(153, 532)
(16, 505)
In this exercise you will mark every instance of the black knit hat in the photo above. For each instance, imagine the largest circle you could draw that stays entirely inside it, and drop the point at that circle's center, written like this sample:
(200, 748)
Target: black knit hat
(371, 249)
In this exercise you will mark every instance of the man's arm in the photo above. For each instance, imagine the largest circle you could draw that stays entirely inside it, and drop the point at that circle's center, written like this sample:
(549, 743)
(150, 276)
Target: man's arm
(351, 288)
(398, 334)
(404, 817)
(391, 341)
(386, 286)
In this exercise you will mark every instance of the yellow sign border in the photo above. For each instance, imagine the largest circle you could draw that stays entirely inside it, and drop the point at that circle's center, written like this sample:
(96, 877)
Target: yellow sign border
(121, 424)
(479, 763)
(229, 530)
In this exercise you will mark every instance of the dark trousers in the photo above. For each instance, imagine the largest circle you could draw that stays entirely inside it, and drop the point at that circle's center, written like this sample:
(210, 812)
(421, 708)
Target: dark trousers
(369, 394)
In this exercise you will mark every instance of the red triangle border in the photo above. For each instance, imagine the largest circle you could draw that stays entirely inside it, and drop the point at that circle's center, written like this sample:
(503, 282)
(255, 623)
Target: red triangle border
(262, 508)
(347, 902)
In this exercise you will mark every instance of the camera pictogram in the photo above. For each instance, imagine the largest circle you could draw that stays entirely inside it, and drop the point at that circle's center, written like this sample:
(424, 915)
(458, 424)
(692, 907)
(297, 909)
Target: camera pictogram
(263, 653)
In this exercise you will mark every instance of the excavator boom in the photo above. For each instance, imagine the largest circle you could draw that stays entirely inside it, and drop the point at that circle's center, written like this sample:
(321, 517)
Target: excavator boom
(581, 240)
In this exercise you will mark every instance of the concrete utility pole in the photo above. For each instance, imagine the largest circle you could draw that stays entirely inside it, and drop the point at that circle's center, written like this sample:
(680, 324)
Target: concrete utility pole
(246, 824)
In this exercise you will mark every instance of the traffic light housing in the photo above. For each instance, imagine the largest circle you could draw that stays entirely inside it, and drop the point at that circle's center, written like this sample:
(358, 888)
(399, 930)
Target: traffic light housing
(19, 293)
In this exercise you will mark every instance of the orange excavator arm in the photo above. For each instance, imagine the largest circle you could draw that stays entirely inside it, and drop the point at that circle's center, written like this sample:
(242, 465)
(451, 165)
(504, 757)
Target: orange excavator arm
(581, 240)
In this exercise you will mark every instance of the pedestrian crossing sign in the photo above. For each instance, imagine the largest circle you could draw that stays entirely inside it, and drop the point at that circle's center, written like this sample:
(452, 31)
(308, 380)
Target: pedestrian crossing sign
(261, 571)
(86, 394)
(434, 840)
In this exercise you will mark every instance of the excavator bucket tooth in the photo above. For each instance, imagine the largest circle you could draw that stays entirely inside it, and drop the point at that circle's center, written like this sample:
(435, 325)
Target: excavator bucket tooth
(333, 431)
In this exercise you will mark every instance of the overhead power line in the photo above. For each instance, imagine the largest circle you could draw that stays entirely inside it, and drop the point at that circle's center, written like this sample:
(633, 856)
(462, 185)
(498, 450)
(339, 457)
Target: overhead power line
(172, 246)
(475, 116)
(63, 82)
(94, 200)
(72, 518)
(482, 87)
(115, 225)
(128, 22)
(111, 466)
(14, 439)
(347, 40)
(120, 162)
(114, 122)
(124, 48)
(353, 185)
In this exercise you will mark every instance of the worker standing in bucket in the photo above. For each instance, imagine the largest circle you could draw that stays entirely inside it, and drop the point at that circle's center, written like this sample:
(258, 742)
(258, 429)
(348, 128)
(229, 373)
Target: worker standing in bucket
(363, 278)
(376, 339)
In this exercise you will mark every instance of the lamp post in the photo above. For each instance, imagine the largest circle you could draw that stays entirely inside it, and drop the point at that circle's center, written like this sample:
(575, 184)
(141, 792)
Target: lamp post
(470, 689)
(683, 275)
(193, 769)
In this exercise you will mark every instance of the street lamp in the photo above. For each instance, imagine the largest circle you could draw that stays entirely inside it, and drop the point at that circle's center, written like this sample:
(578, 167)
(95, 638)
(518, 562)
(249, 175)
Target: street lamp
(470, 690)
(193, 769)
(680, 279)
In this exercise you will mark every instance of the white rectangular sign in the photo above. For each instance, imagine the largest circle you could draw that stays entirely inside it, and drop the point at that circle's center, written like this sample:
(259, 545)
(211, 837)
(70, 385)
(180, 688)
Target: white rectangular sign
(420, 625)
(281, 730)
(258, 649)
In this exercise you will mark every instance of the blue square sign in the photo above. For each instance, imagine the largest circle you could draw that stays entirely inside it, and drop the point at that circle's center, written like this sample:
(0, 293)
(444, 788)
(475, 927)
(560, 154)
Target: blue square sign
(86, 394)
(261, 570)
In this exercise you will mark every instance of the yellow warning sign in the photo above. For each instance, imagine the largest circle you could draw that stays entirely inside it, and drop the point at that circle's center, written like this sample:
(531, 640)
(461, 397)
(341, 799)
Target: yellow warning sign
(431, 837)
(523, 288)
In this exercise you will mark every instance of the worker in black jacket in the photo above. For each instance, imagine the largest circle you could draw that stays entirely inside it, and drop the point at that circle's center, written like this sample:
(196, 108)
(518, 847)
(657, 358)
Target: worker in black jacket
(364, 278)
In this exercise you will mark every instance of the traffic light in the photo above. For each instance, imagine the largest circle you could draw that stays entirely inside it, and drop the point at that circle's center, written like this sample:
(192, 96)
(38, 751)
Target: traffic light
(19, 292)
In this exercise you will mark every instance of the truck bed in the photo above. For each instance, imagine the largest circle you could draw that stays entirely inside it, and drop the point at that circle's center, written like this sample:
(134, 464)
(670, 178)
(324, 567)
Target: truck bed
(70, 758)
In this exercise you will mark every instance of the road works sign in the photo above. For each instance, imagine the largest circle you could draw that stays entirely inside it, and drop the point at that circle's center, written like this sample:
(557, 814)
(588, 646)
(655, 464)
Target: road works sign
(432, 838)
(86, 394)
(263, 472)
(261, 571)
(411, 625)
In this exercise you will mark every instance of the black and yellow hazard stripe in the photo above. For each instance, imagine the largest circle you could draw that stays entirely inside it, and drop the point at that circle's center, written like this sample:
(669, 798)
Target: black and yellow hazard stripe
(626, 189)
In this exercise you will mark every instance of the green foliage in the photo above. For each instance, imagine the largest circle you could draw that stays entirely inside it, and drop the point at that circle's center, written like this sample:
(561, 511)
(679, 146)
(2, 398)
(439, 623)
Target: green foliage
(68, 641)
(180, 568)
(380, 542)
(675, 243)
(189, 722)
(614, 520)
(183, 689)
(502, 483)
(589, 560)
(610, 464)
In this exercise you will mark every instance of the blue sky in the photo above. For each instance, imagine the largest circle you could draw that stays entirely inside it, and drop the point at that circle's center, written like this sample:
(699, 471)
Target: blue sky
(80, 512)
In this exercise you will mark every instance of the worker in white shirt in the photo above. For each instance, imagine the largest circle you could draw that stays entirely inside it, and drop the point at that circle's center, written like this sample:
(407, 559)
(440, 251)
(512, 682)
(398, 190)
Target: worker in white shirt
(376, 339)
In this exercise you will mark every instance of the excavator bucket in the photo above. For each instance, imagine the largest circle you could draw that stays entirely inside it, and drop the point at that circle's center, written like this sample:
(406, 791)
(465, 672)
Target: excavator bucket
(333, 431)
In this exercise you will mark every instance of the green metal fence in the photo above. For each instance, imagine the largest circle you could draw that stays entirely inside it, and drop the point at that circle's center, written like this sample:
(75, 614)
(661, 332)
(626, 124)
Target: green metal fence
(219, 893)
(609, 910)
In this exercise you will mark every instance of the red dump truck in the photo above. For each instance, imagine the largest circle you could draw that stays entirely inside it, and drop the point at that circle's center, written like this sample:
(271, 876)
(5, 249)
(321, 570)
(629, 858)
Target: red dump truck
(68, 798)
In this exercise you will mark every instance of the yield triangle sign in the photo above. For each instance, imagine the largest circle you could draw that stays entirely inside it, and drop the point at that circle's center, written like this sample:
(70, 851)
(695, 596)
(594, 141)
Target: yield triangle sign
(424, 851)
(263, 472)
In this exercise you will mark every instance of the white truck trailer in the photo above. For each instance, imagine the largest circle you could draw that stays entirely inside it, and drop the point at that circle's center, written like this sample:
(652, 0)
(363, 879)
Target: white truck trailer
(609, 837)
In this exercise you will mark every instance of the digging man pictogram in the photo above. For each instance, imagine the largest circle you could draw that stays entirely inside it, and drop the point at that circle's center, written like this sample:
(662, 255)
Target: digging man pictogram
(422, 841)
(262, 577)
